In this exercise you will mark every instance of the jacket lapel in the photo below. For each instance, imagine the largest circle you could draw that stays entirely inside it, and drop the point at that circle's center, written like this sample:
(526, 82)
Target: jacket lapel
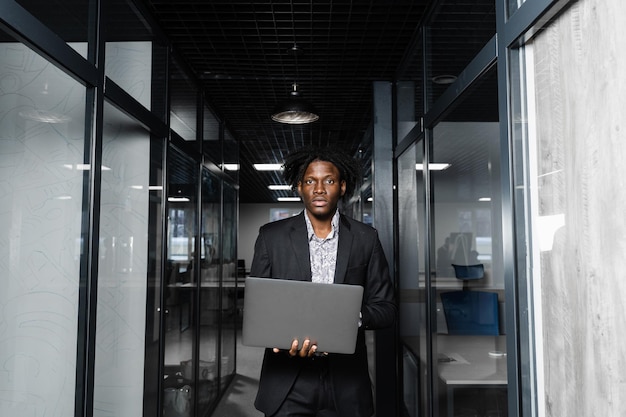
(344, 249)
(300, 245)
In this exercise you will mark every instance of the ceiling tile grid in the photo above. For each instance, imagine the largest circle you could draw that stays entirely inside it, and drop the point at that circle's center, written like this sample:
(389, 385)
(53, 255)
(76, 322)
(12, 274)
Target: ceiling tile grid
(243, 53)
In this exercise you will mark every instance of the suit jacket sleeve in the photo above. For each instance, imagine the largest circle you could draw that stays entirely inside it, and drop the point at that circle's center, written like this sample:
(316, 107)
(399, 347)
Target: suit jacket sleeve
(379, 307)
(260, 266)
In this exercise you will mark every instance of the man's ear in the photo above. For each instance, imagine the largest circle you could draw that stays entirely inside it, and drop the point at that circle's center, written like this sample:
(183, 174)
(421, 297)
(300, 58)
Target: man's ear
(299, 188)
(343, 187)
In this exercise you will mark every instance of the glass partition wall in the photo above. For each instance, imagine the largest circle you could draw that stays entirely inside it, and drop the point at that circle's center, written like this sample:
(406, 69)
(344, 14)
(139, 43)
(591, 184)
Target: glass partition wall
(469, 346)
(451, 274)
(44, 175)
(181, 289)
(210, 269)
(101, 308)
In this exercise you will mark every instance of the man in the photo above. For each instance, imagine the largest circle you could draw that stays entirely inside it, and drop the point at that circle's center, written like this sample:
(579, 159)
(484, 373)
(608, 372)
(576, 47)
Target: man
(322, 245)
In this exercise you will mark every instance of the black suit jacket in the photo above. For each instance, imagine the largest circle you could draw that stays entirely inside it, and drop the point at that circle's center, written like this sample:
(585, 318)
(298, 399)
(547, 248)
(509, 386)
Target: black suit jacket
(282, 251)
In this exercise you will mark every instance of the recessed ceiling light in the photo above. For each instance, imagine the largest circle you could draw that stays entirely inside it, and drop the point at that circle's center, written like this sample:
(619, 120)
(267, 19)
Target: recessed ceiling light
(279, 187)
(178, 199)
(288, 198)
(268, 167)
(433, 166)
(484, 199)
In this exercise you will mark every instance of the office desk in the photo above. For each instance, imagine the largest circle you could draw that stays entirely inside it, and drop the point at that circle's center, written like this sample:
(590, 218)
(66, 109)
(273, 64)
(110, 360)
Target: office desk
(475, 362)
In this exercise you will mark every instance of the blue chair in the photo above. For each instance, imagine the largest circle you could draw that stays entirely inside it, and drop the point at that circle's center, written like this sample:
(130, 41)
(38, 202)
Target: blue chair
(471, 312)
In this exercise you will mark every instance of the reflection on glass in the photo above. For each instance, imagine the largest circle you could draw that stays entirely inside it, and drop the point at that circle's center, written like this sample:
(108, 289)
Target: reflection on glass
(128, 64)
(183, 103)
(230, 294)
(413, 318)
(122, 266)
(180, 286)
(407, 116)
(210, 291)
(513, 6)
(155, 278)
(42, 174)
(231, 156)
(129, 48)
(468, 283)
(211, 143)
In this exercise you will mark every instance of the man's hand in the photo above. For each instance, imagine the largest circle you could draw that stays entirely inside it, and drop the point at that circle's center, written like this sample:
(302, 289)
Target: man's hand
(308, 349)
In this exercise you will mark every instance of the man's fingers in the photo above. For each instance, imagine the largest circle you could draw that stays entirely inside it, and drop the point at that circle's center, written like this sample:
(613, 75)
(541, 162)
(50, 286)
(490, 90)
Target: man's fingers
(294, 348)
(305, 348)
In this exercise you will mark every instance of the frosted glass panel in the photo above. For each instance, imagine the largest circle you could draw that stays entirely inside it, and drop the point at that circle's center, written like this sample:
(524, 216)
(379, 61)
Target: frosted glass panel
(570, 166)
(129, 65)
(41, 182)
(122, 277)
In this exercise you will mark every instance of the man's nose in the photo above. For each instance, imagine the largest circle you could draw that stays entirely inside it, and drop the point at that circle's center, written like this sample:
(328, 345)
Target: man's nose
(319, 188)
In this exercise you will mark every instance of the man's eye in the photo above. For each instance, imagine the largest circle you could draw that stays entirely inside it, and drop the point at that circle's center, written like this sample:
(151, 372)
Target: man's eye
(330, 181)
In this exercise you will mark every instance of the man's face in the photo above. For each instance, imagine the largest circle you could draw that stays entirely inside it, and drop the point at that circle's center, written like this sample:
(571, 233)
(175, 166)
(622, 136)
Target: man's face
(321, 189)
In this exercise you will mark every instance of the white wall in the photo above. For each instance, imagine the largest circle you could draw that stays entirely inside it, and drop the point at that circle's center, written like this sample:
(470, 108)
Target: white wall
(251, 218)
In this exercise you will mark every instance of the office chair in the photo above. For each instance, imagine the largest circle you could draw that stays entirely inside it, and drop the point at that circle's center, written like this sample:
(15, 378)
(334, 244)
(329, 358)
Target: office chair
(471, 312)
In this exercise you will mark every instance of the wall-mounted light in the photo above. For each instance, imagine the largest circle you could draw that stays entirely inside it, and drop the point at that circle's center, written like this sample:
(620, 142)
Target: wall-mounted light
(279, 187)
(288, 198)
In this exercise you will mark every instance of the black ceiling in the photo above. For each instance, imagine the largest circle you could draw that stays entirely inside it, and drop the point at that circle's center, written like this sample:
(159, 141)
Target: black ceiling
(242, 52)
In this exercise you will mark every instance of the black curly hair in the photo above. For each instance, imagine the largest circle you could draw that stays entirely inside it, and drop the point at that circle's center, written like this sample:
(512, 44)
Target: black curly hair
(297, 162)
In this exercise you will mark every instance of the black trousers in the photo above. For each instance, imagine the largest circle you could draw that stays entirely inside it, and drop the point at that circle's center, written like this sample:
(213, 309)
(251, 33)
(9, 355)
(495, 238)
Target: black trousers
(311, 394)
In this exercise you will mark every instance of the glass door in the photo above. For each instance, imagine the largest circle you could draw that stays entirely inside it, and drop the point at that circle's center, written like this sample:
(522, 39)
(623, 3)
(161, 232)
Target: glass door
(468, 338)
(230, 287)
(180, 288)
(412, 282)
(210, 265)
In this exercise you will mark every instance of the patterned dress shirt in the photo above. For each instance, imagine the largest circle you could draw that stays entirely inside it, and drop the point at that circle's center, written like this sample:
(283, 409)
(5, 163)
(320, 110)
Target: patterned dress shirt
(323, 251)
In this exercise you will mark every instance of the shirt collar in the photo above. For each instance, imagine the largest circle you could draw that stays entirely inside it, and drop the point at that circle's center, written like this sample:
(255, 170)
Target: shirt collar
(334, 225)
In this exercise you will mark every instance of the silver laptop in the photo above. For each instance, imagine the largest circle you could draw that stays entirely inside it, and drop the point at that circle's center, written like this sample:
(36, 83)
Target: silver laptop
(276, 311)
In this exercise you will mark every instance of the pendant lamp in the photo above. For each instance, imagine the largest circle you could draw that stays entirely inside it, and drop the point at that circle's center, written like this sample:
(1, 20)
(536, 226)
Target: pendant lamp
(295, 110)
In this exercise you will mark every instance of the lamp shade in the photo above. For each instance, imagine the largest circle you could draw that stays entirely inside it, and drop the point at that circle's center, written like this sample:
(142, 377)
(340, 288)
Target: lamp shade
(294, 110)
